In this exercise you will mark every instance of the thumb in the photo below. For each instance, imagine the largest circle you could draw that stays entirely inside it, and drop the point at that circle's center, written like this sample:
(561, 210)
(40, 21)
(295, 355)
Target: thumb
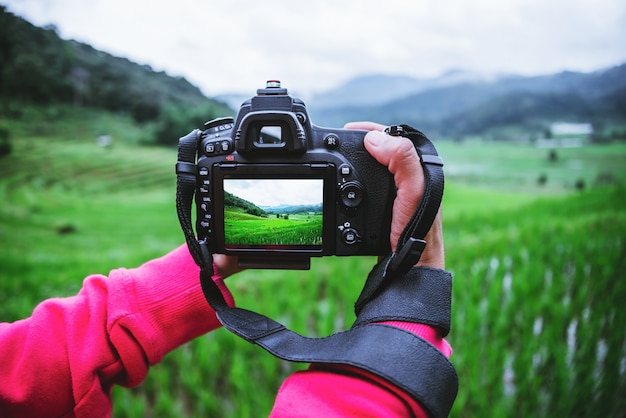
(402, 161)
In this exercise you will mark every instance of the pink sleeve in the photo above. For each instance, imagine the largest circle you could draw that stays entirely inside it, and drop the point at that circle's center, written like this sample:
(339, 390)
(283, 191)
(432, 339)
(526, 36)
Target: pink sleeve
(345, 391)
(65, 358)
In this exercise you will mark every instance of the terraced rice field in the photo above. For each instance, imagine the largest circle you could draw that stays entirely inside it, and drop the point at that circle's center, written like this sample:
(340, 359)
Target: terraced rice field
(539, 327)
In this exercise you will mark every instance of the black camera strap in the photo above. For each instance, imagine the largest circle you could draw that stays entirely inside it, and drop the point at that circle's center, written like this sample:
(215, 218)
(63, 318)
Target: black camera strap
(398, 356)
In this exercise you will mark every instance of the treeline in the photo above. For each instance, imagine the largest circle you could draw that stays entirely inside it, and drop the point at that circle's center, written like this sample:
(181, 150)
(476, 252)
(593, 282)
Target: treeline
(37, 66)
(297, 209)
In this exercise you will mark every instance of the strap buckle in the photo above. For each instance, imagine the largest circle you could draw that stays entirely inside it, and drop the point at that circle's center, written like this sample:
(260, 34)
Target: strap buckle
(408, 255)
(184, 167)
(395, 130)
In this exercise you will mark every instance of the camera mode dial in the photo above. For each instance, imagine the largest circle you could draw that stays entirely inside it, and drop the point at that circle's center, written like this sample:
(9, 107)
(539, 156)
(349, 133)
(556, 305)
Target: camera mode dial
(220, 124)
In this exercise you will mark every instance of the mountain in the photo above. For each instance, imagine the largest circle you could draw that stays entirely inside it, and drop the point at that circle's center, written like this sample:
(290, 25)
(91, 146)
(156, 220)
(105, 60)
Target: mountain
(375, 89)
(459, 104)
(293, 208)
(38, 67)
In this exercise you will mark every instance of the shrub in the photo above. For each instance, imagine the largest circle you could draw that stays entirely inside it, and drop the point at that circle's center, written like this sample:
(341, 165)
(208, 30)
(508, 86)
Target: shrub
(5, 142)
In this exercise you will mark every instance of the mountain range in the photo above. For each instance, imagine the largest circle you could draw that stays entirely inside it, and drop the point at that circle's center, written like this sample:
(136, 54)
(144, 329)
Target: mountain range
(465, 103)
(375, 89)
(460, 103)
(37, 66)
(293, 208)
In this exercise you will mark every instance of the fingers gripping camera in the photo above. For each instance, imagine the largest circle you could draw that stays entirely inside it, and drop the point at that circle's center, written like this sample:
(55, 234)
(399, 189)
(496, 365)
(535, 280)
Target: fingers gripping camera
(276, 190)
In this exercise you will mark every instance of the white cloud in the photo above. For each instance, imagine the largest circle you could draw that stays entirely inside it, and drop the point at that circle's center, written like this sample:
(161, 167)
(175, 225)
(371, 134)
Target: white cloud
(275, 192)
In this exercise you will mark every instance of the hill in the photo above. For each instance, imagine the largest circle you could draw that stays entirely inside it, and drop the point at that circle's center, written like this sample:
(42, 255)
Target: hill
(246, 206)
(38, 67)
(462, 104)
(375, 89)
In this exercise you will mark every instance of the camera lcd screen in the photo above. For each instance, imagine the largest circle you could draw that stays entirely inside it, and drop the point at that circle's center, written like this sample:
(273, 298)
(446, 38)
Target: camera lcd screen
(273, 213)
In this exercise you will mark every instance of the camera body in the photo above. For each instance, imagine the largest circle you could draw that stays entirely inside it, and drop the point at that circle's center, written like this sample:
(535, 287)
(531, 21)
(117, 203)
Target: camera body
(276, 190)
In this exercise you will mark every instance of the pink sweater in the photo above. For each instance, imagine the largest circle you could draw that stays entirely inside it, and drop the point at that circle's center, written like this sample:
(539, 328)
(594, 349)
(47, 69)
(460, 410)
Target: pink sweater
(65, 358)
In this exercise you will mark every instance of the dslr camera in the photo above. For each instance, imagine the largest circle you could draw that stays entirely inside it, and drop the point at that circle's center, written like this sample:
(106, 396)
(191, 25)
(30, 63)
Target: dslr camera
(276, 190)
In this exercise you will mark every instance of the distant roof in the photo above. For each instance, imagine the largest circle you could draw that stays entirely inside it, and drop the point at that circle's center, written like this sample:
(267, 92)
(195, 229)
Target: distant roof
(563, 128)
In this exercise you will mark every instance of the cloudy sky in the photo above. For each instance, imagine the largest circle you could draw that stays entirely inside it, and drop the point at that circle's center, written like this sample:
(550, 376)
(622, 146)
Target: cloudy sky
(235, 45)
(276, 192)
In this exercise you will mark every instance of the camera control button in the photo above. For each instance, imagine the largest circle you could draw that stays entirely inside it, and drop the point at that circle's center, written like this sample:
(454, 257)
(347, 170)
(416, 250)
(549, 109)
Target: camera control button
(331, 141)
(350, 236)
(225, 146)
(209, 148)
(351, 194)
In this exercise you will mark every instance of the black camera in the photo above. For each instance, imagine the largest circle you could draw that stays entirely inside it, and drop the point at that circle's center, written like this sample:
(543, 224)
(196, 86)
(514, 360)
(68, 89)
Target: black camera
(275, 190)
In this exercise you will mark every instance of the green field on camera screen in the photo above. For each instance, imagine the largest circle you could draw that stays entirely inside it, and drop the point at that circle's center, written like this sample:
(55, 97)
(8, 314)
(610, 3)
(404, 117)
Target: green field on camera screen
(243, 229)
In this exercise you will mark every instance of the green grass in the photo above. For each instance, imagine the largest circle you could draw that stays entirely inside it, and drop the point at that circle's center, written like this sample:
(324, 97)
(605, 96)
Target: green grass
(502, 166)
(245, 229)
(536, 307)
(538, 323)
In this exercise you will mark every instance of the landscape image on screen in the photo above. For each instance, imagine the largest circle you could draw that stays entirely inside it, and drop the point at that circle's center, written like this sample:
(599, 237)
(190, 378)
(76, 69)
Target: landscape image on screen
(266, 213)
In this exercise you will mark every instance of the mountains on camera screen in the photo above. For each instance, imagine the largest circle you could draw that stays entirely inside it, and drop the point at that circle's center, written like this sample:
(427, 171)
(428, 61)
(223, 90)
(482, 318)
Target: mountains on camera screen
(293, 208)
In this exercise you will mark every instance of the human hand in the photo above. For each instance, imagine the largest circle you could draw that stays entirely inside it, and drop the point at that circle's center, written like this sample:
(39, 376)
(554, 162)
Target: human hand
(226, 265)
(402, 161)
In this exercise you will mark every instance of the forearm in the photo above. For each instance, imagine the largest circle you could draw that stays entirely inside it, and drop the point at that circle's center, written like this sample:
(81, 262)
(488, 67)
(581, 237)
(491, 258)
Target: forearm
(70, 352)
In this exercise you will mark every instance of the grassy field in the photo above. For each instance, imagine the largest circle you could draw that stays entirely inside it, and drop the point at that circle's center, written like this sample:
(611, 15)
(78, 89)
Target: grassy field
(245, 229)
(538, 323)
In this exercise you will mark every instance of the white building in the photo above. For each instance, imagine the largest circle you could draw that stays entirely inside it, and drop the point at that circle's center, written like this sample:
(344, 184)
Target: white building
(571, 130)
(567, 135)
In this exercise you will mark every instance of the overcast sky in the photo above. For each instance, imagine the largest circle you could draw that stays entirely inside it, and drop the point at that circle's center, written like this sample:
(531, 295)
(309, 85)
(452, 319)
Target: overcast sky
(235, 45)
(276, 192)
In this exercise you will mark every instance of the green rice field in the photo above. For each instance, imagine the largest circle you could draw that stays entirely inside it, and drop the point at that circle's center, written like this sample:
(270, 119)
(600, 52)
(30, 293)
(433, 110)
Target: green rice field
(243, 229)
(536, 246)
